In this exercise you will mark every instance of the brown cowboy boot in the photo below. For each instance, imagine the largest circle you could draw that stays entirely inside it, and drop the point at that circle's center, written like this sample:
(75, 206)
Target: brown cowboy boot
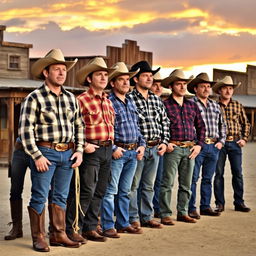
(16, 214)
(58, 236)
(37, 223)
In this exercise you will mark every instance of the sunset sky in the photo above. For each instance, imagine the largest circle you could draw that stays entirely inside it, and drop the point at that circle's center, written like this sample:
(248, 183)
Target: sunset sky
(191, 34)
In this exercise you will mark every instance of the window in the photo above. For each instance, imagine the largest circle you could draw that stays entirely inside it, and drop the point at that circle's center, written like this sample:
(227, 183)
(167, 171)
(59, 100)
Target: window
(14, 62)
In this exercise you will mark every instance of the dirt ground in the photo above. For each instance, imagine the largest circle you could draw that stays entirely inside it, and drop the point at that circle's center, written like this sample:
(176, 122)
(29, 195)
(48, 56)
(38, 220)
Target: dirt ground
(233, 233)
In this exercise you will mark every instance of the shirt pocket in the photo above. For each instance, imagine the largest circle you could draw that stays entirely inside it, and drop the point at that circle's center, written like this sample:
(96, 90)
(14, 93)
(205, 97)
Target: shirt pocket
(48, 115)
(93, 118)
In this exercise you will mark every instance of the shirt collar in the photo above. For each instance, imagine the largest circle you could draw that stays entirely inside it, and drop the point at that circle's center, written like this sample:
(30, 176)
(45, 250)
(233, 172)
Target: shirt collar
(92, 94)
(47, 90)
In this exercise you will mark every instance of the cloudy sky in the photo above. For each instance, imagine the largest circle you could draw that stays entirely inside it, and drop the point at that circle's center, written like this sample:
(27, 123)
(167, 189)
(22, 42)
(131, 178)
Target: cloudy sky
(180, 33)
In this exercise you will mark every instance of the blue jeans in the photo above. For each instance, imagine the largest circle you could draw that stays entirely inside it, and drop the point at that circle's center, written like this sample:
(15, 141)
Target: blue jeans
(144, 177)
(174, 161)
(234, 153)
(117, 194)
(207, 159)
(57, 178)
(20, 163)
(157, 185)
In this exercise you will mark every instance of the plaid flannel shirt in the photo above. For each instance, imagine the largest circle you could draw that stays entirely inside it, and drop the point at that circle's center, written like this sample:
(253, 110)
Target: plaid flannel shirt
(98, 114)
(153, 120)
(236, 119)
(213, 119)
(48, 117)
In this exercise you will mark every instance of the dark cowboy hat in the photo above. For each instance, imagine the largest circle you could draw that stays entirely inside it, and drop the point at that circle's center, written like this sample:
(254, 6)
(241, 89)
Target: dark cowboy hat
(200, 78)
(144, 67)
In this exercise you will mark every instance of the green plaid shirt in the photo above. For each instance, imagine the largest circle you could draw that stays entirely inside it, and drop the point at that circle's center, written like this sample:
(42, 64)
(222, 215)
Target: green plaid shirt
(236, 119)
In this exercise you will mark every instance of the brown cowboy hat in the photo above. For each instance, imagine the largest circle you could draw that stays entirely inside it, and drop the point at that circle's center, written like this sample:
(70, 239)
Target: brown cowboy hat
(95, 64)
(54, 56)
(120, 69)
(176, 75)
(226, 81)
(200, 78)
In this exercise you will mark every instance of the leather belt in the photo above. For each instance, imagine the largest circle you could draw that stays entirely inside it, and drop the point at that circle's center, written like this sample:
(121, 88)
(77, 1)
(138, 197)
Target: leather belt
(128, 146)
(232, 138)
(152, 143)
(18, 146)
(210, 140)
(57, 146)
(183, 144)
(100, 143)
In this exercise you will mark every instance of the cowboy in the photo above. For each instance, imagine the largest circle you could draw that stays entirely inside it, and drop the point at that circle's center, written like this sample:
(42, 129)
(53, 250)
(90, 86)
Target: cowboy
(153, 123)
(98, 115)
(238, 130)
(215, 139)
(51, 128)
(187, 133)
(157, 89)
(129, 146)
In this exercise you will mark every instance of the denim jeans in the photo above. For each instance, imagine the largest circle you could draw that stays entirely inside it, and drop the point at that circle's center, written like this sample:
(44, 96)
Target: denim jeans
(234, 153)
(57, 178)
(144, 178)
(19, 165)
(174, 161)
(94, 178)
(207, 159)
(157, 185)
(117, 194)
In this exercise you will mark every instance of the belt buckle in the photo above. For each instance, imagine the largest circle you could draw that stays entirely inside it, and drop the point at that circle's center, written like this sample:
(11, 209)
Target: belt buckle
(207, 141)
(61, 147)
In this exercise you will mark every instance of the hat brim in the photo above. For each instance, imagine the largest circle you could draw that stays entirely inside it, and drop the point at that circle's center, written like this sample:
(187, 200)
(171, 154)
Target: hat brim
(82, 74)
(170, 79)
(38, 67)
(132, 82)
(196, 81)
(218, 85)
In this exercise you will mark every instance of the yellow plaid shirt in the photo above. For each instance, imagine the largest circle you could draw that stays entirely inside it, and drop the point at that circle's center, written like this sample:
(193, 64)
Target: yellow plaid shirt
(236, 119)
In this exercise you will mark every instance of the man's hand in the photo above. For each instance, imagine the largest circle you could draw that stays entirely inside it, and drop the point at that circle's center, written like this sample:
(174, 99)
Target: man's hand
(118, 153)
(90, 148)
(195, 151)
(241, 143)
(140, 150)
(42, 164)
(79, 158)
(170, 147)
(161, 149)
(219, 145)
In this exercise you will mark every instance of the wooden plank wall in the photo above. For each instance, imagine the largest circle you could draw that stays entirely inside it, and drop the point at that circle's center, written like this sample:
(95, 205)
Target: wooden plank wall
(23, 73)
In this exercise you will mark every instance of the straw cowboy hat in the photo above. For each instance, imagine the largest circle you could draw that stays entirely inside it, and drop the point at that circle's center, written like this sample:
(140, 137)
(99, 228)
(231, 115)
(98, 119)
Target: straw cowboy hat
(95, 64)
(121, 69)
(226, 81)
(54, 56)
(176, 75)
(144, 67)
(157, 77)
(200, 78)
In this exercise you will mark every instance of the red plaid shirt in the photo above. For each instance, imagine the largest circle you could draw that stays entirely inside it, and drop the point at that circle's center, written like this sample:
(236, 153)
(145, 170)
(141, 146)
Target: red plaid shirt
(98, 114)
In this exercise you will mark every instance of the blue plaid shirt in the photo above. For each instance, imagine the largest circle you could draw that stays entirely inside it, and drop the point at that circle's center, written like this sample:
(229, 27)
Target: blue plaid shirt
(126, 128)
(213, 119)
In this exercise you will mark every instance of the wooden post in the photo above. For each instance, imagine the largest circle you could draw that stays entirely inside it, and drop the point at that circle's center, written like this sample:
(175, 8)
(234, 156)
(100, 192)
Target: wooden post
(10, 126)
